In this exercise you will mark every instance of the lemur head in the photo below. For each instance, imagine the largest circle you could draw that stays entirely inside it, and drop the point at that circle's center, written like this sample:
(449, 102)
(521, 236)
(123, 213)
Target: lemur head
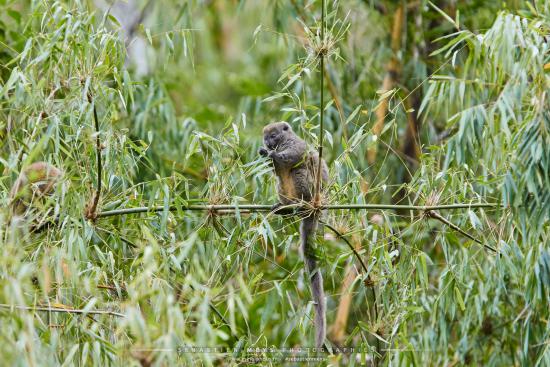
(276, 133)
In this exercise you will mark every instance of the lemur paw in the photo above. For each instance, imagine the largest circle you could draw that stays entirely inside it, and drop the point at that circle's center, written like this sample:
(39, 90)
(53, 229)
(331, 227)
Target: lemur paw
(263, 152)
(273, 154)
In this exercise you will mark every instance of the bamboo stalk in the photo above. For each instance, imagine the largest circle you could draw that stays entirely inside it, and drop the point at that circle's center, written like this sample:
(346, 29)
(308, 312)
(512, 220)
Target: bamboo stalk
(268, 208)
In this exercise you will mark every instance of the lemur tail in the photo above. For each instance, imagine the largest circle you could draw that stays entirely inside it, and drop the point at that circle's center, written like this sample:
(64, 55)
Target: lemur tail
(308, 229)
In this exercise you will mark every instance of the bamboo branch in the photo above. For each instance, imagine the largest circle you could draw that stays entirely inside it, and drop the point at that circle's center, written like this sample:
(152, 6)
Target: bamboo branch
(268, 208)
(62, 310)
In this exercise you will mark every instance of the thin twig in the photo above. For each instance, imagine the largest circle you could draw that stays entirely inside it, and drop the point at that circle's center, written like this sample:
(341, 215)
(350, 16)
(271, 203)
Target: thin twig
(336, 99)
(390, 79)
(91, 211)
(137, 22)
(218, 313)
(439, 217)
(341, 236)
(110, 287)
(62, 310)
(330, 83)
(268, 208)
(321, 55)
(375, 303)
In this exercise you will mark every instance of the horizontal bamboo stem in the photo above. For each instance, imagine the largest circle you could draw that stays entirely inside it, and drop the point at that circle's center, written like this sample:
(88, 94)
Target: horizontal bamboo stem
(64, 310)
(264, 208)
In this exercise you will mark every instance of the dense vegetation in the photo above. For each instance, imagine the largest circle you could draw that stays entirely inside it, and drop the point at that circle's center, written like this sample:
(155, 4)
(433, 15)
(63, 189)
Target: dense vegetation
(424, 103)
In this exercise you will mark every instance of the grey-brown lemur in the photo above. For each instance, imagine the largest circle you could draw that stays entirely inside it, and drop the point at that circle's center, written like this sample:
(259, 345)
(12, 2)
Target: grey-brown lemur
(295, 168)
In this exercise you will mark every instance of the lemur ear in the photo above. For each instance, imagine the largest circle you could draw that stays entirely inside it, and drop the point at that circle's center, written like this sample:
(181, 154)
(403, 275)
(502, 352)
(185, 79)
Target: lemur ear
(286, 127)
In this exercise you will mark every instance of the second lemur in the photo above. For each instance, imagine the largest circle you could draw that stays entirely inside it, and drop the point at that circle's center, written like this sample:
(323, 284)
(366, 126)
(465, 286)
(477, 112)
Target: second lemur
(295, 167)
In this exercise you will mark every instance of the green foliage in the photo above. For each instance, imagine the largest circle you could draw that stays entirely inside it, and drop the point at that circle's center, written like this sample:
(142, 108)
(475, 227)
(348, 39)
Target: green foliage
(188, 133)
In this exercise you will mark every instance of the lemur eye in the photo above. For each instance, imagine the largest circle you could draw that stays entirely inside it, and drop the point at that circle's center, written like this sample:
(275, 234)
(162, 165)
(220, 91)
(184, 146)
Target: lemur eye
(285, 128)
(272, 136)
